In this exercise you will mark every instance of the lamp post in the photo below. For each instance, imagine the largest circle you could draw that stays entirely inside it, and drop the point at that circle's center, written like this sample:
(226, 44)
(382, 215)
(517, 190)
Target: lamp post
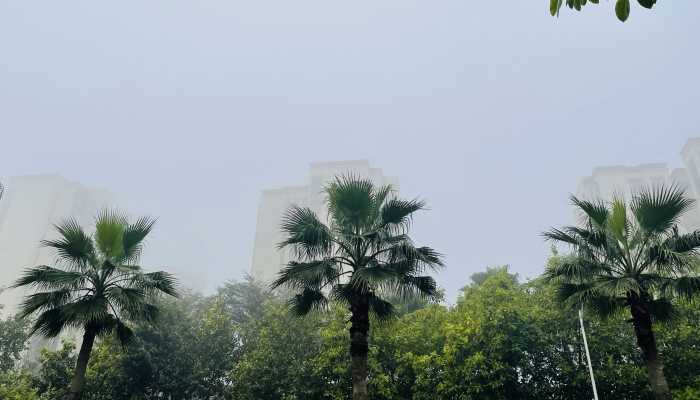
(588, 355)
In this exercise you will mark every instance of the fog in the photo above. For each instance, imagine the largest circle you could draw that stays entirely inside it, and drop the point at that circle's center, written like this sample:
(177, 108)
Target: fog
(491, 111)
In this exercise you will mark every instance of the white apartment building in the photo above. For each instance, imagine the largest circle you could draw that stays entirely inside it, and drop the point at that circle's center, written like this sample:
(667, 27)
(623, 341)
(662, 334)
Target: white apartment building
(608, 182)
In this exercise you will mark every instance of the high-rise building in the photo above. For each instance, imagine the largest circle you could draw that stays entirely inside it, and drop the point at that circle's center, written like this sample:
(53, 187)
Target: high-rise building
(623, 181)
(29, 208)
(267, 258)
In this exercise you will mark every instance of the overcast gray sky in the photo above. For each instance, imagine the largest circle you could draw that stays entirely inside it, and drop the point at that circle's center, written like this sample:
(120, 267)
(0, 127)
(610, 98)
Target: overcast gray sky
(490, 110)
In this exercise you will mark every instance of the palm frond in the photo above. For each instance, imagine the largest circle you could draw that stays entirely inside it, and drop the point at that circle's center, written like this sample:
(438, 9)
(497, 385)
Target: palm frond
(309, 299)
(44, 301)
(51, 323)
(396, 214)
(116, 326)
(685, 287)
(351, 200)
(575, 295)
(133, 237)
(685, 243)
(594, 211)
(156, 282)
(124, 334)
(109, 233)
(85, 310)
(74, 245)
(617, 220)
(44, 277)
(657, 209)
(574, 270)
(412, 287)
(305, 233)
(560, 235)
(381, 308)
(308, 274)
(420, 258)
(617, 286)
(606, 306)
(129, 301)
(367, 279)
(342, 293)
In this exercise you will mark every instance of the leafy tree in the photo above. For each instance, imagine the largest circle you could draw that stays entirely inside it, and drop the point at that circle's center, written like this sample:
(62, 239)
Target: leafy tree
(631, 256)
(478, 278)
(118, 373)
(55, 367)
(169, 351)
(216, 347)
(244, 300)
(17, 385)
(13, 340)
(622, 7)
(277, 355)
(186, 354)
(97, 285)
(361, 256)
(405, 354)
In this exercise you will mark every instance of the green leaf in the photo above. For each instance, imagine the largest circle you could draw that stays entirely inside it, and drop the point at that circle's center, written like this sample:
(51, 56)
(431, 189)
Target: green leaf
(618, 220)
(553, 7)
(622, 9)
(647, 3)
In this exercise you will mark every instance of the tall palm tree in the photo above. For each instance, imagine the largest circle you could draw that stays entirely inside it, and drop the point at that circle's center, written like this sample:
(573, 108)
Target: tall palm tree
(362, 255)
(631, 255)
(96, 285)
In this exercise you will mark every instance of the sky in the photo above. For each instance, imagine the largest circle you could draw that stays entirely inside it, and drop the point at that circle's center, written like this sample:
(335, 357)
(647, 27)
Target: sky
(491, 111)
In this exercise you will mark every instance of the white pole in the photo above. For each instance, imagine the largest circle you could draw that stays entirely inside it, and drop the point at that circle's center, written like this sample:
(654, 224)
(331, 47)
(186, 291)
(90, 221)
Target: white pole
(588, 355)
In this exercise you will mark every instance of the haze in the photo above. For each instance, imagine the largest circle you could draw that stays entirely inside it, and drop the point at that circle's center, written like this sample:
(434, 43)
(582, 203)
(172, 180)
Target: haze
(492, 111)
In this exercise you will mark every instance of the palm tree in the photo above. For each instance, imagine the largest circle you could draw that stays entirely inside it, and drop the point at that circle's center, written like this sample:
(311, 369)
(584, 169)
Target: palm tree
(361, 256)
(631, 255)
(96, 285)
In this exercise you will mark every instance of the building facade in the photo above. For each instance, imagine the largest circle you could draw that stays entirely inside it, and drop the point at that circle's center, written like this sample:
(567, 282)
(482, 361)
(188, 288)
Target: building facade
(623, 181)
(267, 258)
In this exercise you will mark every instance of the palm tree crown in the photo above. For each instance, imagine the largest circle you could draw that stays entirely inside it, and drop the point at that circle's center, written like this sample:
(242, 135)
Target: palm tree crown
(363, 251)
(623, 250)
(97, 283)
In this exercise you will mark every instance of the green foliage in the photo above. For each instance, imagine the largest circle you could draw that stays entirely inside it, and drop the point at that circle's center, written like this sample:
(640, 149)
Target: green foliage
(503, 339)
(478, 278)
(17, 385)
(277, 357)
(622, 7)
(243, 300)
(55, 371)
(13, 339)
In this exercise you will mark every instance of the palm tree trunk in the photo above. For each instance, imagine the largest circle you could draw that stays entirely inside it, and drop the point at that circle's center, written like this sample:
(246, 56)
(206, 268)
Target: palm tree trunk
(647, 343)
(76, 385)
(359, 331)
